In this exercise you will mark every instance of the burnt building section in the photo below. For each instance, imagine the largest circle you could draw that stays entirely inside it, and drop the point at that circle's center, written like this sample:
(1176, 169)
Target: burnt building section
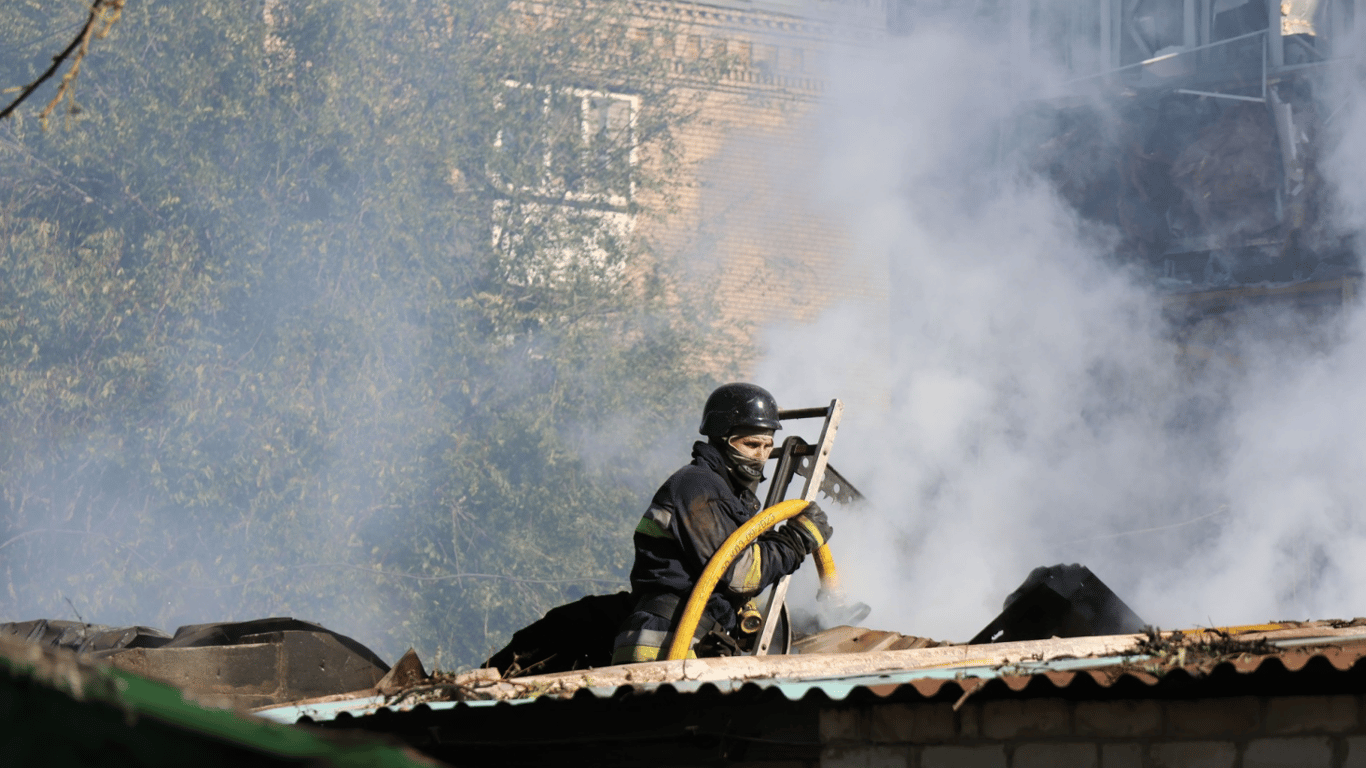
(235, 664)
(1203, 144)
(1195, 128)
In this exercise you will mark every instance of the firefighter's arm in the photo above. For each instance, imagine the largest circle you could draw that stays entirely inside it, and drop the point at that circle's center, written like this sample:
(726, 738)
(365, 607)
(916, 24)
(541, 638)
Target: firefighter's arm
(772, 556)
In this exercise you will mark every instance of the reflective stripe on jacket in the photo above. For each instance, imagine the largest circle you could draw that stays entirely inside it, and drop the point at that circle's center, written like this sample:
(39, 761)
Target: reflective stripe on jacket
(689, 518)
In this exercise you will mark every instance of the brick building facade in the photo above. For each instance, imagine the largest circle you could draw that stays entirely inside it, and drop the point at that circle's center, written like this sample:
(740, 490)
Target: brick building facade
(747, 218)
(1303, 731)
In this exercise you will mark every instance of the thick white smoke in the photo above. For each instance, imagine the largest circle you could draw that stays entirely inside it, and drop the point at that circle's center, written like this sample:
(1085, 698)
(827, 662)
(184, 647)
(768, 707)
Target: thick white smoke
(1037, 410)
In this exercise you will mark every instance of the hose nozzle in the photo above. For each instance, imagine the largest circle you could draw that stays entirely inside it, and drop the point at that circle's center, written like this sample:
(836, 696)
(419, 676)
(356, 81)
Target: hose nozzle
(750, 619)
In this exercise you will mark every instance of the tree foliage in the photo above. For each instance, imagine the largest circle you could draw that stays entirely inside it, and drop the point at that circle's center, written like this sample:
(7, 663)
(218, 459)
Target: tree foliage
(340, 310)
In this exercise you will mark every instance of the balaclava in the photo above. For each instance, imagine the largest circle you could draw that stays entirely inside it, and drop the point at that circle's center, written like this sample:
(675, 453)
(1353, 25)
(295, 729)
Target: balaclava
(747, 472)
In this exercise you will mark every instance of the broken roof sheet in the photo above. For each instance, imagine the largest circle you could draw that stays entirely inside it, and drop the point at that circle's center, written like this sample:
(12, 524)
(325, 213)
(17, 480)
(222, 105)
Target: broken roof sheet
(1126, 666)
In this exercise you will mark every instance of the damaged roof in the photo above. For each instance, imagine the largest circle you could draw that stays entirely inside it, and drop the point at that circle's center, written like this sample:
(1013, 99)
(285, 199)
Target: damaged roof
(64, 709)
(856, 664)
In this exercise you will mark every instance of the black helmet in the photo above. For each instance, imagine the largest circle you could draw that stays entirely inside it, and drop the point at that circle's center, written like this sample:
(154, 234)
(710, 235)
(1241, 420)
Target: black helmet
(738, 405)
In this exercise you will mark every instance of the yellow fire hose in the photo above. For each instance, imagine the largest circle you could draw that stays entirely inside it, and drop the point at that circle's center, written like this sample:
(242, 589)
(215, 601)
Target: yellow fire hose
(731, 549)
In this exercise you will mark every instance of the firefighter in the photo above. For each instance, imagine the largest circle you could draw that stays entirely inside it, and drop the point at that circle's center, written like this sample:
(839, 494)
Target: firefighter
(690, 517)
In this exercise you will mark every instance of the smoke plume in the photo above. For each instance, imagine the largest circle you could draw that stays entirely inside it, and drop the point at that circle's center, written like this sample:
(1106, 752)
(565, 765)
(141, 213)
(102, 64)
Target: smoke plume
(1037, 407)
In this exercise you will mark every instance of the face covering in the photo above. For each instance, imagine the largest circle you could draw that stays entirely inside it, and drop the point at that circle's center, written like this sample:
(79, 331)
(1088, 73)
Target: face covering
(746, 470)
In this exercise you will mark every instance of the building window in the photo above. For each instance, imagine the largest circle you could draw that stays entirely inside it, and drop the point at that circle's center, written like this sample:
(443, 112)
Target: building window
(565, 162)
(573, 146)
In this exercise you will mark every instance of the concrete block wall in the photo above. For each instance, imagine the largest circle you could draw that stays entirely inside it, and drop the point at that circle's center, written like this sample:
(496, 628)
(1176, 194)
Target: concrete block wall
(1235, 732)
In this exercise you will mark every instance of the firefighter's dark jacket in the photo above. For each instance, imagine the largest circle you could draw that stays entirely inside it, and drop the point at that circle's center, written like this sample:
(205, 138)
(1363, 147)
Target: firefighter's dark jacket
(689, 518)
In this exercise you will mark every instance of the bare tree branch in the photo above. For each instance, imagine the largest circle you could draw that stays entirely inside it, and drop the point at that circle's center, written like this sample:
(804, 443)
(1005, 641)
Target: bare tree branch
(100, 10)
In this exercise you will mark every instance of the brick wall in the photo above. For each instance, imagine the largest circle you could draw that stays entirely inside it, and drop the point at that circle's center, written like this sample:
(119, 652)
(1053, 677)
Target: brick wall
(749, 217)
(1234, 732)
(746, 215)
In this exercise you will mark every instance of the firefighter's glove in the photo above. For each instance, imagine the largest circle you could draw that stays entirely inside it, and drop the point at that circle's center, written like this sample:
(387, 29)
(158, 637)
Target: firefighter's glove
(813, 526)
(716, 644)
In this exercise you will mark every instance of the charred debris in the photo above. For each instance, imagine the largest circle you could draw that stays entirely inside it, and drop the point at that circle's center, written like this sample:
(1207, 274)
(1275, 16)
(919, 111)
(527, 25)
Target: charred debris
(1198, 131)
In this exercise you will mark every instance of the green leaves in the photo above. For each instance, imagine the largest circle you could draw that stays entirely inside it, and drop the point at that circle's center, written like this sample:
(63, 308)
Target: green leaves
(342, 311)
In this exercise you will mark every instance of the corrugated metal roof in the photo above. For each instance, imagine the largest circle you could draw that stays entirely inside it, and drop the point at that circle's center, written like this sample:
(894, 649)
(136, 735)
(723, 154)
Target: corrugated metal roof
(1131, 665)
